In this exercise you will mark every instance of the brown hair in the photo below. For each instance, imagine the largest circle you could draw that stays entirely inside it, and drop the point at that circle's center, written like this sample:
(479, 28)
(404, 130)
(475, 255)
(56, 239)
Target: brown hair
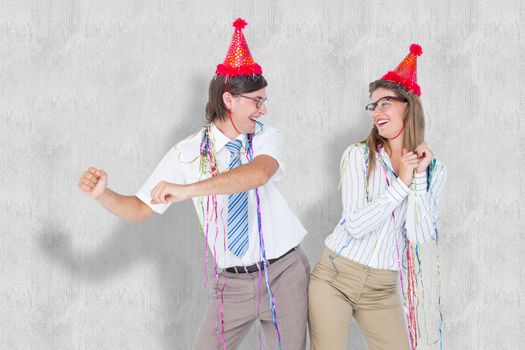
(414, 132)
(215, 108)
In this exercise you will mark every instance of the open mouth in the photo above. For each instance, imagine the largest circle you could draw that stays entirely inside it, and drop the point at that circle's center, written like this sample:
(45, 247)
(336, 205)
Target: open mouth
(381, 122)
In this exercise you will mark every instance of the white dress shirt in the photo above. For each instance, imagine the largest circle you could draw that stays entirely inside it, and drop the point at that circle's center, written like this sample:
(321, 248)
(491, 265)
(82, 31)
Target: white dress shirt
(281, 229)
(368, 232)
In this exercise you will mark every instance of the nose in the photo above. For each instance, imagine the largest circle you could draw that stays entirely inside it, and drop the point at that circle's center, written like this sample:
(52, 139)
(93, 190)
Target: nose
(377, 112)
(373, 114)
(262, 109)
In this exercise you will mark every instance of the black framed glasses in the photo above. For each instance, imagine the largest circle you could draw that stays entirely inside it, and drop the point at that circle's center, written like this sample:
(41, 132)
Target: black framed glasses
(259, 100)
(383, 103)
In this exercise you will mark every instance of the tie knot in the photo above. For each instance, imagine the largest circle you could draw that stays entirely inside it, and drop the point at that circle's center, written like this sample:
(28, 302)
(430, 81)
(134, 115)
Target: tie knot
(234, 146)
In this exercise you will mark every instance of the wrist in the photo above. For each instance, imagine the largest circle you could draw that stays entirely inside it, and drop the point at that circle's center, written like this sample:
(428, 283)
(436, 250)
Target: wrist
(102, 195)
(407, 181)
(420, 181)
(190, 191)
(422, 168)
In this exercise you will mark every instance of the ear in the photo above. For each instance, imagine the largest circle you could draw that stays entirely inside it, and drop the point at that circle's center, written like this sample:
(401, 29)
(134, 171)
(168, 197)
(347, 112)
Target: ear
(227, 98)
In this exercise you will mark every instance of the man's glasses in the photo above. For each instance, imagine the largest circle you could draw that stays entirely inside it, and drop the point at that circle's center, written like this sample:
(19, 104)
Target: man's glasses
(259, 100)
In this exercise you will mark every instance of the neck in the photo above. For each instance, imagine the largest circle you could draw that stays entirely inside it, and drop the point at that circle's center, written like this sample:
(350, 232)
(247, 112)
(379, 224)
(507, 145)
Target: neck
(395, 147)
(226, 127)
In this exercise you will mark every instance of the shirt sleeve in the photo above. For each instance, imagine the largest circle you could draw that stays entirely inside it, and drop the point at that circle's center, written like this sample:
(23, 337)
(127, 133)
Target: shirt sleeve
(271, 143)
(422, 209)
(361, 217)
(169, 169)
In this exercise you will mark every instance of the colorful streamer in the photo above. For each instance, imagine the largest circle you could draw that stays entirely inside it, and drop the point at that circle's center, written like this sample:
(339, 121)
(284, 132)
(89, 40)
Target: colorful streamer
(208, 167)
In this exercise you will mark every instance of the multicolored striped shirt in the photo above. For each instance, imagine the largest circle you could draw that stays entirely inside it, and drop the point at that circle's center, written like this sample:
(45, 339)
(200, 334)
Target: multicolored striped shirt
(378, 215)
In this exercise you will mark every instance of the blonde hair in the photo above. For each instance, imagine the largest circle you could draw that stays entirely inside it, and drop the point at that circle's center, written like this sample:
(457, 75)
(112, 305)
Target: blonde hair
(414, 131)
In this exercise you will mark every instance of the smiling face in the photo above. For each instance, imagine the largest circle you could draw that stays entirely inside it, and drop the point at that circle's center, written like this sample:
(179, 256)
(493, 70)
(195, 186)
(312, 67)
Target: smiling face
(236, 97)
(244, 111)
(389, 114)
(394, 114)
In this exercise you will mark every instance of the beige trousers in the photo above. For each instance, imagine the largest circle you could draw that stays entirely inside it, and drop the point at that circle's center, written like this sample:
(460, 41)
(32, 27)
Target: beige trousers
(289, 278)
(370, 295)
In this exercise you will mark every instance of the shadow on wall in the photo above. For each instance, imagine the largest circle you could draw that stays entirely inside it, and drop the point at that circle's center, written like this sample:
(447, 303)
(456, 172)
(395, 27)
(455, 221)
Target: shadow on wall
(172, 242)
(322, 216)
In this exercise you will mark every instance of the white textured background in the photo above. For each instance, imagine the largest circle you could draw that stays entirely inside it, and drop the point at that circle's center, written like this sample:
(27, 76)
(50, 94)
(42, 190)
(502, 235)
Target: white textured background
(115, 83)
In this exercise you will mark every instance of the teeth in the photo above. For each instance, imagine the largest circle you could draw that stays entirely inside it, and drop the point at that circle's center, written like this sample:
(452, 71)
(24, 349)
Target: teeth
(382, 121)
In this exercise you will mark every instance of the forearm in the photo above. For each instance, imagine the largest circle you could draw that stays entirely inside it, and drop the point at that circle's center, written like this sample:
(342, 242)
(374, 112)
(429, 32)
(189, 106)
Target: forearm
(240, 179)
(129, 208)
(361, 220)
(419, 182)
(421, 218)
(422, 210)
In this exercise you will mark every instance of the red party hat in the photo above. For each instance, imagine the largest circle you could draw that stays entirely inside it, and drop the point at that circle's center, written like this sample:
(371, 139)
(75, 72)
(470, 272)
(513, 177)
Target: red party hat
(239, 60)
(406, 73)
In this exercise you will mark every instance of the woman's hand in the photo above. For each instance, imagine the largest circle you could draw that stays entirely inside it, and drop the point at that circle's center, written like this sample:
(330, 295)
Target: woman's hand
(166, 192)
(407, 164)
(424, 155)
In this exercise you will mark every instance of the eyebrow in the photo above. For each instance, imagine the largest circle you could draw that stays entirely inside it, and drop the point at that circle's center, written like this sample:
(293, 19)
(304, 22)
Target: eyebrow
(379, 99)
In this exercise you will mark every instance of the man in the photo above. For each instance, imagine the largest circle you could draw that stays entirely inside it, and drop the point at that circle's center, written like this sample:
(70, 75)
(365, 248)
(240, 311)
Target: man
(230, 169)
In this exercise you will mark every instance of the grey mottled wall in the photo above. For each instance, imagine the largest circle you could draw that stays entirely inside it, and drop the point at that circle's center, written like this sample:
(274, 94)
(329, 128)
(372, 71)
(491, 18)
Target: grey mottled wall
(115, 83)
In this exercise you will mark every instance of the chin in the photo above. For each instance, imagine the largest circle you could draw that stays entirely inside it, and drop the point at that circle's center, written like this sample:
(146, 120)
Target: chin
(387, 134)
(382, 134)
(250, 130)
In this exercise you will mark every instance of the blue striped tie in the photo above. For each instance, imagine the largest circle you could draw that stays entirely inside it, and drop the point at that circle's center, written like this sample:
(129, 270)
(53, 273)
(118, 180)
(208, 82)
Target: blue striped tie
(237, 208)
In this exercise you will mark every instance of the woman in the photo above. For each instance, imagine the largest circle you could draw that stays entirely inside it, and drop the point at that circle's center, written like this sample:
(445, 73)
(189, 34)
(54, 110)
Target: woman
(388, 205)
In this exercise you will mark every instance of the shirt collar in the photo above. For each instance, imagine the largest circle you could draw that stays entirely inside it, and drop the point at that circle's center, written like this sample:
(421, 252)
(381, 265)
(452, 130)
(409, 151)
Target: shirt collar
(220, 140)
(386, 159)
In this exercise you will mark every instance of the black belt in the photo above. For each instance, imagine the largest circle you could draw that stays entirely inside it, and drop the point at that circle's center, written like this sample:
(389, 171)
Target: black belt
(255, 267)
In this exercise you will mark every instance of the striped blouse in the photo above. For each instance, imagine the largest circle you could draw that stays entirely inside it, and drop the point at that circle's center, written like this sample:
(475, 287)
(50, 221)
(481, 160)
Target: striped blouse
(374, 220)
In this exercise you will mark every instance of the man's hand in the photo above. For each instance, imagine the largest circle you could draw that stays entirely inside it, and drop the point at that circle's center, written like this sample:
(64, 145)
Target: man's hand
(166, 192)
(424, 155)
(93, 182)
(240, 179)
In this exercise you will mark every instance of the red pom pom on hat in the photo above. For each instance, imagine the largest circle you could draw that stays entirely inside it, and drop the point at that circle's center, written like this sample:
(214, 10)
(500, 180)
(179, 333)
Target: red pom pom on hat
(416, 49)
(405, 73)
(240, 23)
(239, 60)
